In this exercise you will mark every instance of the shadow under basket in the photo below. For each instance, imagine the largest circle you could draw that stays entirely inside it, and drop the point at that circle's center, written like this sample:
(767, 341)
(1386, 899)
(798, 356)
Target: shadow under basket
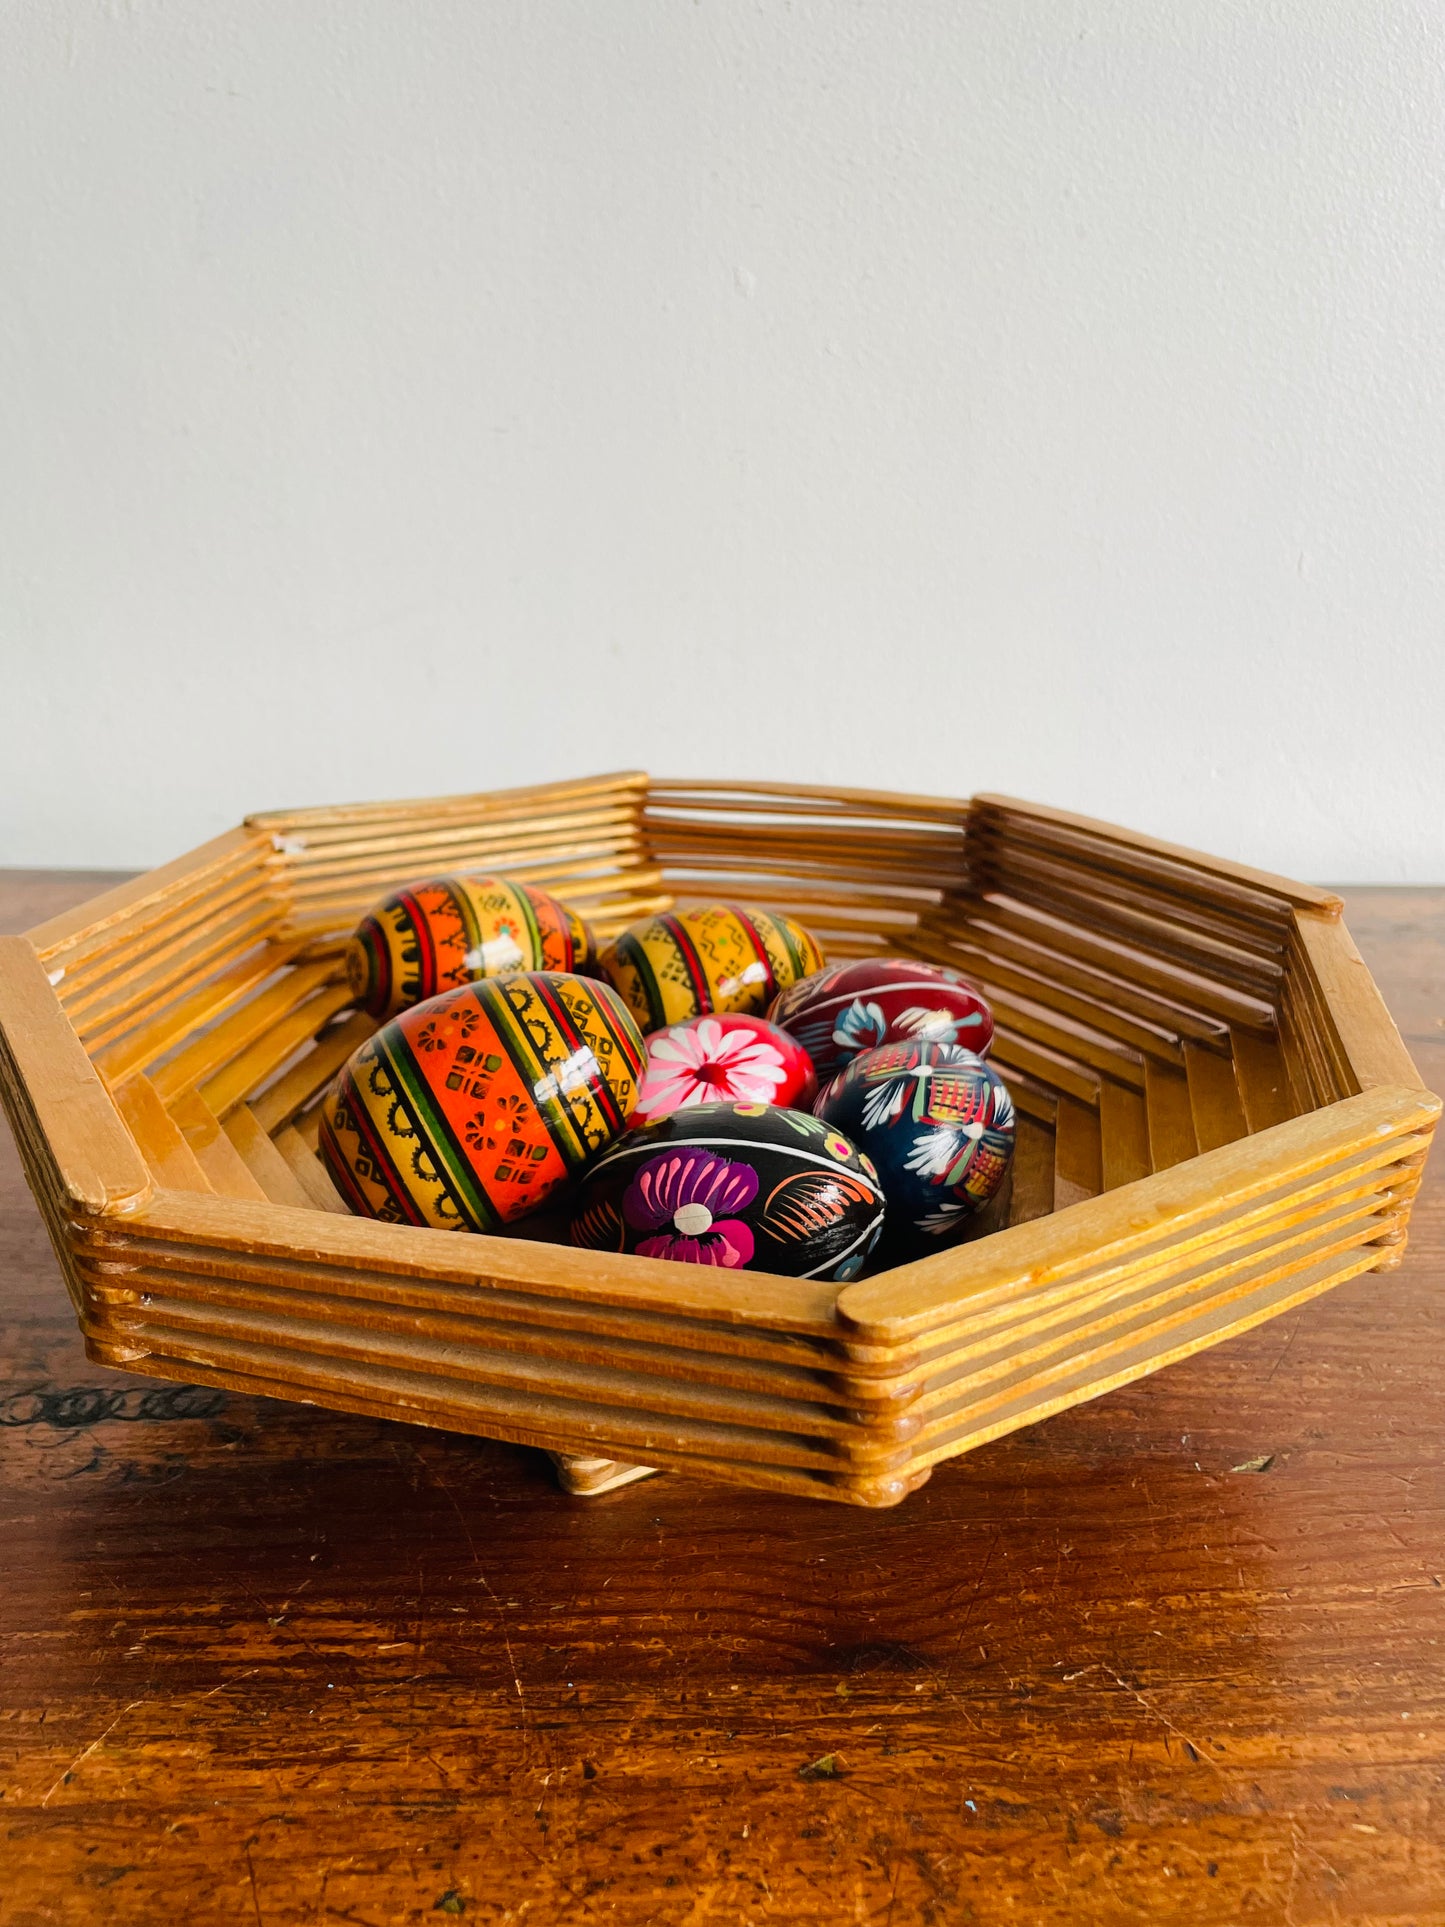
(1217, 1121)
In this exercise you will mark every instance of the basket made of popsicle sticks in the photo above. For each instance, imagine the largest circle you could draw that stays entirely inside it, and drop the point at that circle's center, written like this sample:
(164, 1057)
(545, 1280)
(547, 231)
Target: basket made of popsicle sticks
(1217, 1121)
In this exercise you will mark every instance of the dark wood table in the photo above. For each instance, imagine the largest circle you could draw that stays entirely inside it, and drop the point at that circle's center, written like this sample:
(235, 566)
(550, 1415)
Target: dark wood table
(1175, 1656)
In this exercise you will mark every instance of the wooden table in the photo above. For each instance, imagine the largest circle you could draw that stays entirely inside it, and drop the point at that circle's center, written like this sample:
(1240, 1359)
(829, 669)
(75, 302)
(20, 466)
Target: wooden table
(1175, 1656)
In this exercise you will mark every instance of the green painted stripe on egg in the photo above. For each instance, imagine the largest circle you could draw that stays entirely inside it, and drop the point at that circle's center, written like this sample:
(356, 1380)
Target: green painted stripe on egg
(453, 1167)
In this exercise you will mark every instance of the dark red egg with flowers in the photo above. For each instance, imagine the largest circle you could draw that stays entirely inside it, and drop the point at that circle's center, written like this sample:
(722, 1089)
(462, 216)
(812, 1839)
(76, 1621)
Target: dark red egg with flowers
(744, 1187)
(729, 1056)
(856, 1006)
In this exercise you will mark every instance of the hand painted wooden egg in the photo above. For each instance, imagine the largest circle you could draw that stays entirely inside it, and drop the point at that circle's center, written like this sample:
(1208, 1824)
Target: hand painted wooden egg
(448, 931)
(742, 1186)
(467, 1111)
(730, 1056)
(716, 956)
(939, 1125)
(856, 1006)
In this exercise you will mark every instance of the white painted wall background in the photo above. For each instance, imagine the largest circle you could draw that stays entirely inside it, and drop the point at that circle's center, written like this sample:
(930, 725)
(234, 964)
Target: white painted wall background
(414, 395)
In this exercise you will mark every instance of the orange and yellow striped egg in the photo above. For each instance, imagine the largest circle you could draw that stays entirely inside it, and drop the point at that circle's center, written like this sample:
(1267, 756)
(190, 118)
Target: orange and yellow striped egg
(713, 957)
(468, 1111)
(448, 931)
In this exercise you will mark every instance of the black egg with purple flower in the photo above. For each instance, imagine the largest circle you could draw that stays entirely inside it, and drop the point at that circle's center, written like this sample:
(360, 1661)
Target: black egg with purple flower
(938, 1124)
(745, 1187)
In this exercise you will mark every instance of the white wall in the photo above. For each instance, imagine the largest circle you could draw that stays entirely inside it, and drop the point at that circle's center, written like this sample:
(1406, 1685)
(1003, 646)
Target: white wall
(417, 395)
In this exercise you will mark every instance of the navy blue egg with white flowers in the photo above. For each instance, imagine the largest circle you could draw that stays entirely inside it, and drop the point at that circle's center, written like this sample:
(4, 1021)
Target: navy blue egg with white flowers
(746, 1187)
(938, 1124)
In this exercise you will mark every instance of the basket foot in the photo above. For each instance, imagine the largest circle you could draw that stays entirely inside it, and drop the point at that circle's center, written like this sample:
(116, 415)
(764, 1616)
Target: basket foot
(587, 1478)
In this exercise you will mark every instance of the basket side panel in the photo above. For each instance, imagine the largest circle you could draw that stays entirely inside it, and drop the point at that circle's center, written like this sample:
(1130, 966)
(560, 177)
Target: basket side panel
(78, 1157)
(941, 1293)
(581, 840)
(1337, 1014)
(857, 867)
(572, 1351)
(1060, 1313)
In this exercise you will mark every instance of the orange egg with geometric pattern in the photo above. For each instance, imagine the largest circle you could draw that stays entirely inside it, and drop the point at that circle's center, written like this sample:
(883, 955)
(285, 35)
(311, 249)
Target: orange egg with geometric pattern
(468, 1111)
(447, 931)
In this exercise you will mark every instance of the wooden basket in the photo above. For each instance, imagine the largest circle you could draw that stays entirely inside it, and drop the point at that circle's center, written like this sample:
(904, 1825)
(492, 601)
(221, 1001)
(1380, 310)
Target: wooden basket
(1218, 1120)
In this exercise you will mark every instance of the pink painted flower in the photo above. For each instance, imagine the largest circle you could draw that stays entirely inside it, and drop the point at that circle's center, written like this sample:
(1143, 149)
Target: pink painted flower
(680, 1198)
(703, 1063)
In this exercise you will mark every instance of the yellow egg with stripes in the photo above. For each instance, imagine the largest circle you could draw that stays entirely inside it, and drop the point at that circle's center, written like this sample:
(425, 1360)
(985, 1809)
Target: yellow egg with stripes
(436, 935)
(712, 957)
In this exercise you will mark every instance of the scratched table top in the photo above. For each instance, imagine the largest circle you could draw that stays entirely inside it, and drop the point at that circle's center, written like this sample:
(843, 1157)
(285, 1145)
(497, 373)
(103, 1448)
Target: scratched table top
(1177, 1655)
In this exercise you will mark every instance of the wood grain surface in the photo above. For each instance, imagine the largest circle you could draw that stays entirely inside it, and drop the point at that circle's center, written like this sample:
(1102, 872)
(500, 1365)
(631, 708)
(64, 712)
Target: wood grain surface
(1177, 1655)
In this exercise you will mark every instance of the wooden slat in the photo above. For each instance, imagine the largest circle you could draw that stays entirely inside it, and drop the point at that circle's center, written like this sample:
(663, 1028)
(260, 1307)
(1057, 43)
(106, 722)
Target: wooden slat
(152, 1040)
(374, 1394)
(964, 929)
(1078, 1154)
(1030, 1100)
(772, 1405)
(1356, 1010)
(1210, 958)
(116, 911)
(541, 829)
(1032, 1177)
(521, 801)
(1153, 1350)
(1111, 955)
(1170, 1116)
(212, 1048)
(1070, 1041)
(233, 1223)
(309, 1171)
(1123, 1133)
(1259, 1071)
(997, 980)
(1001, 1355)
(506, 1313)
(1010, 1311)
(261, 1060)
(1301, 894)
(226, 1170)
(1184, 911)
(1002, 1317)
(279, 1102)
(695, 793)
(265, 1163)
(114, 1002)
(45, 1074)
(1213, 1098)
(158, 1137)
(404, 859)
(1045, 1067)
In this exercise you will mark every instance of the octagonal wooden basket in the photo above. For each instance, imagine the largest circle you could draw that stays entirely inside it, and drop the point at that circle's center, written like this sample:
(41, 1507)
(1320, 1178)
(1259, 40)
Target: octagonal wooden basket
(1217, 1121)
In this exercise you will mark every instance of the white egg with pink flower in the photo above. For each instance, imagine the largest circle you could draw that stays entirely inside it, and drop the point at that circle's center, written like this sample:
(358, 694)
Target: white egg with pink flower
(725, 1057)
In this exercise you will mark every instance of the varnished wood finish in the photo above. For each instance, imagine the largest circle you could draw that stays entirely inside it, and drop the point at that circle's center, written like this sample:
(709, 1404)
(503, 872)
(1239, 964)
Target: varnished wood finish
(1174, 1655)
(1223, 1122)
